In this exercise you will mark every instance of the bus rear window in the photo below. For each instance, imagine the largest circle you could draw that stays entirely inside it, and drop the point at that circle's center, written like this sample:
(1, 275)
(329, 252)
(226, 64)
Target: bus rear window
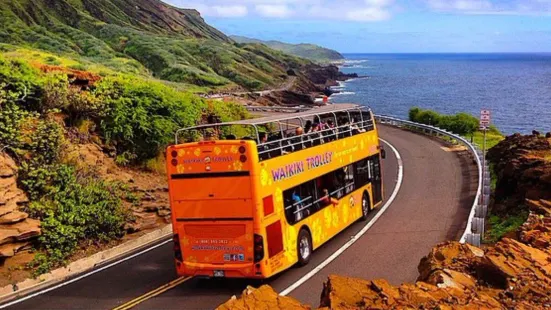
(211, 186)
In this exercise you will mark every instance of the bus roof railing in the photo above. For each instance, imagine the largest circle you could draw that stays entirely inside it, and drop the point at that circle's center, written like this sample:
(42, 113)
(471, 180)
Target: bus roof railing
(277, 118)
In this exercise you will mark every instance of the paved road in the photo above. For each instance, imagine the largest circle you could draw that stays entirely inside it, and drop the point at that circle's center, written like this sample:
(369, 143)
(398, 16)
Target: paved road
(432, 206)
(286, 86)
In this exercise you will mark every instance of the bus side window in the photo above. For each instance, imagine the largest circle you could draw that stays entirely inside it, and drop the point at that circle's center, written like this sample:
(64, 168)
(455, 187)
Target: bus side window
(298, 202)
(349, 179)
(362, 173)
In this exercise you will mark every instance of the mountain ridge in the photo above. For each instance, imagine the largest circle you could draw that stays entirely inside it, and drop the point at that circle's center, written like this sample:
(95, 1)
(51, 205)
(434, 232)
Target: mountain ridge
(305, 50)
(132, 36)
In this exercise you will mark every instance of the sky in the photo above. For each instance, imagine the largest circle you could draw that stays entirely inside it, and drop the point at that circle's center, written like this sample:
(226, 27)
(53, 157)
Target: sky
(387, 26)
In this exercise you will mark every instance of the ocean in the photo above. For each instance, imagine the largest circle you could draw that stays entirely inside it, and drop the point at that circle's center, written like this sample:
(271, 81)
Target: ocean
(516, 88)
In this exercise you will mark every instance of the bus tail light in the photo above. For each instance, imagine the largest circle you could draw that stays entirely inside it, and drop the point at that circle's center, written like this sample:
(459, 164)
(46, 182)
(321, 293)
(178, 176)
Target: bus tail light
(174, 162)
(177, 248)
(243, 158)
(258, 248)
(242, 149)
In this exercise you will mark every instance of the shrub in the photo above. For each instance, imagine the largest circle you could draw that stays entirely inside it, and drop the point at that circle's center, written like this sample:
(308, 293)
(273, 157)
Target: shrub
(76, 207)
(140, 117)
(461, 123)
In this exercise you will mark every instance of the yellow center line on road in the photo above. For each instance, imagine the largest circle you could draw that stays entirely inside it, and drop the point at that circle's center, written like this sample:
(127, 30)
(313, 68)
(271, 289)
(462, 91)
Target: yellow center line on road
(158, 291)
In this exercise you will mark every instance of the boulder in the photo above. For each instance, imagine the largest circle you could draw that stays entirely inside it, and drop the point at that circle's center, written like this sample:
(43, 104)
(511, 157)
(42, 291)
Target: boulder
(13, 217)
(143, 221)
(27, 229)
(349, 293)
(163, 212)
(9, 250)
(523, 272)
(262, 298)
(8, 168)
(450, 278)
(7, 208)
(7, 235)
(449, 255)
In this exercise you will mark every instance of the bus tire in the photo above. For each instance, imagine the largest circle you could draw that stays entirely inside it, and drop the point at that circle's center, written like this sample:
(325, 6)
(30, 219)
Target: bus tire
(304, 247)
(366, 206)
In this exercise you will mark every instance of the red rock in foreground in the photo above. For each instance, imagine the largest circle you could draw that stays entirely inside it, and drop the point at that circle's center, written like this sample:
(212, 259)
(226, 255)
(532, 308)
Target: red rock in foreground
(508, 275)
(263, 298)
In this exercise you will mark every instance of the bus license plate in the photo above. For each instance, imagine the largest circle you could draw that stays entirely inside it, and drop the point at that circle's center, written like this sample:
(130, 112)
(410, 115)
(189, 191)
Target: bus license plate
(219, 273)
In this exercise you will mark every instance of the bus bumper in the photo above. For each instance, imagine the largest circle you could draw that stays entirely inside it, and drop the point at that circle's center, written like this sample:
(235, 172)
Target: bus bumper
(247, 270)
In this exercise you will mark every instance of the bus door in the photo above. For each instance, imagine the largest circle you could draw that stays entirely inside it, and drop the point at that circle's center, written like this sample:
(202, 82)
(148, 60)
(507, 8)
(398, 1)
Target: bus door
(376, 181)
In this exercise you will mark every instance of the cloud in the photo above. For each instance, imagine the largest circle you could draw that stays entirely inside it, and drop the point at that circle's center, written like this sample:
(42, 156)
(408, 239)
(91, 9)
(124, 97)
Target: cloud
(491, 7)
(369, 14)
(352, 10)
(378, 3)
(460, 5)
(228, 10)
(273, 10)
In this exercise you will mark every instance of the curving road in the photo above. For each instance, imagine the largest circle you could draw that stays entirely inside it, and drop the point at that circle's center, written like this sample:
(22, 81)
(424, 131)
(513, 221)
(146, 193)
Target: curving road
(432, 205)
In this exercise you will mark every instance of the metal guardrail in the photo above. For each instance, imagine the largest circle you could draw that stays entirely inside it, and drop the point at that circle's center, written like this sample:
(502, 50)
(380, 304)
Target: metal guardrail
(475, 225)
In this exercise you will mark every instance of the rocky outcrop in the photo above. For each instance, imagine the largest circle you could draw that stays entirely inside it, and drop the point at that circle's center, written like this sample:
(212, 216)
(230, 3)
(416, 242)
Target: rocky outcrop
(15, 226)
(153, 208)
(326, 75)
(347, 293)
(263, 298)
(523, 168)
(511, 274)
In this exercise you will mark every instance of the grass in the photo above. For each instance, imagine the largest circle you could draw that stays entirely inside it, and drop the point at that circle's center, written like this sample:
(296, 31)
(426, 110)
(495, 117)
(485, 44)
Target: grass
(502, 225)
(492, 139)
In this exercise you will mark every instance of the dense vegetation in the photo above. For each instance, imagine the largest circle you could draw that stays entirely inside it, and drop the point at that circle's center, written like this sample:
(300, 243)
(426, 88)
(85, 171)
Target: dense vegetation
(133, 116)
(142, 37)
(309, 51)
(462, 123)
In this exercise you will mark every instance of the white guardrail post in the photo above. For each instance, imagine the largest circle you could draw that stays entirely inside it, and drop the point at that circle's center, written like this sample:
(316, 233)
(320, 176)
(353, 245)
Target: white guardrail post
(474, 231)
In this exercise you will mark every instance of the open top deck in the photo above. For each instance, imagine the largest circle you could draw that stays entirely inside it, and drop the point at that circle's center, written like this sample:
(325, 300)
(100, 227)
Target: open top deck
(283, 117)
(281, 133)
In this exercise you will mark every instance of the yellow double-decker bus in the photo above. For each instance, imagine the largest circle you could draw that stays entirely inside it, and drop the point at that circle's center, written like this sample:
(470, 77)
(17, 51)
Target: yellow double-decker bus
(255, 197)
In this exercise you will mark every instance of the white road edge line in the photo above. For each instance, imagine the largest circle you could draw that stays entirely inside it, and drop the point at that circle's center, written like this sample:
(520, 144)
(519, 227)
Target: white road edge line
(355, 238)
(84, 275)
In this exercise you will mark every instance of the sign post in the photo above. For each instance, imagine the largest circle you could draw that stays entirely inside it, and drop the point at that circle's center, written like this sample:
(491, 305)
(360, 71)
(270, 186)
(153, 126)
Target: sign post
(485, 120)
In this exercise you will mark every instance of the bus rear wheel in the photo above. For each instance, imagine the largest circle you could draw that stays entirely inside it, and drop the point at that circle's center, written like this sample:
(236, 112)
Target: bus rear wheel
(366, 206)
(304, 247)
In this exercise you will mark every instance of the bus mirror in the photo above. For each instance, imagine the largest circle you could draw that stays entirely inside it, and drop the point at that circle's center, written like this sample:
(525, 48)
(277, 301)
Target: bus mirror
(383, 153)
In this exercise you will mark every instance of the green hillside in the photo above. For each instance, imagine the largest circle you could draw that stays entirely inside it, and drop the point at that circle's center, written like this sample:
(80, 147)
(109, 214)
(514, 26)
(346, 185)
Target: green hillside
(145, 37)
(309, 51)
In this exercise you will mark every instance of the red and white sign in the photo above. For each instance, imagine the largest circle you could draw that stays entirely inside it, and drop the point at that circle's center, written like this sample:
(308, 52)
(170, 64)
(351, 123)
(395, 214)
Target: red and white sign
(485, 119)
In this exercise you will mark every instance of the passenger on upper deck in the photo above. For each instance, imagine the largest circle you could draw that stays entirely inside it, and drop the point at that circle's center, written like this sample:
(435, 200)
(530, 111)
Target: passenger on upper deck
(262, 147)
(308, 126)
(263, 137)
(354, 127)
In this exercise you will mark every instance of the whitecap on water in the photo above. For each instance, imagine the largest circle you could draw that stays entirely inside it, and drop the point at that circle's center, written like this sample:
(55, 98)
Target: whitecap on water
(344, 93)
